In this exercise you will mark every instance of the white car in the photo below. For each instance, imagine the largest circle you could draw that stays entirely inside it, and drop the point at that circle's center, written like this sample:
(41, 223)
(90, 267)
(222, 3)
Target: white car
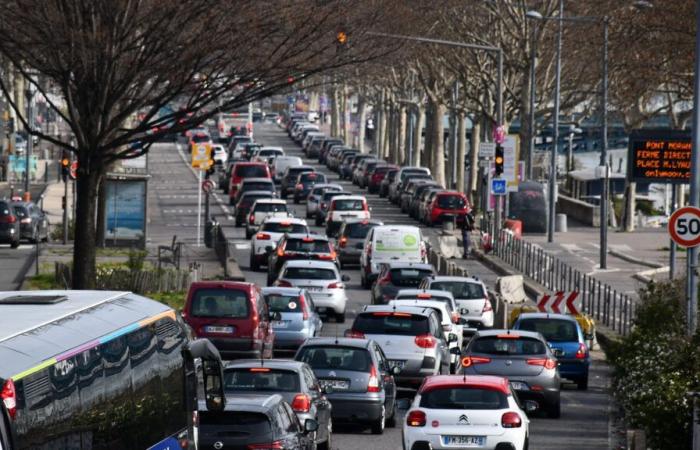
(322, 280)
(458, 412)
(314, 199)
(219, 154)
(390, 243)
(263, 209)
(345, 207)
(471, 296)
(265, 153)
(269, 233)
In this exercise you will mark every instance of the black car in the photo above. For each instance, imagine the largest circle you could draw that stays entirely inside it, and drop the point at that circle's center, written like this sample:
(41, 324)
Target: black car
(246, 201)
(9, 225)
(33, 224)
(299, 246)
(305, 182)
(254, 421)
(290, 177)
(396, 276)
(388, 179)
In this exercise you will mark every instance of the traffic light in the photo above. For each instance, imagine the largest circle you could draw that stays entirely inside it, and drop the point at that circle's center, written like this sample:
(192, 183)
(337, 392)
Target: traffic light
(65, 167)
(341, 40)
(499, 160)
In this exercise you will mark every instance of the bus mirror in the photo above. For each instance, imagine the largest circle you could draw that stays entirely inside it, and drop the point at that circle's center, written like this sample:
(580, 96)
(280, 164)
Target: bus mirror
(212, 374)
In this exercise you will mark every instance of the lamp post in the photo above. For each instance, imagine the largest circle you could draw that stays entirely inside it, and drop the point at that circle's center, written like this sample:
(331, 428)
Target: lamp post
(533, 92)
(694, 200)
(29, 93)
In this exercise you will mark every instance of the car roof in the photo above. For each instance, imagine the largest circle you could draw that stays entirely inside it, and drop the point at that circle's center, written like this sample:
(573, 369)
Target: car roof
(541, 315)
(311, 263)
(291, 220)
(282, 290)
(288, 364)
(339, 341)
(431, 292)
(328, 185)
(491, 382)
(302, 167)
(271, 200)
(495, 332)
(455, 278)
(354, 220)
(397, 228)
(410, 302)
(406, 309)
(250, 163)
(408, 264)
(257, 180)
(270, 147)
(315, 237)
(349, 197)
(257, 192)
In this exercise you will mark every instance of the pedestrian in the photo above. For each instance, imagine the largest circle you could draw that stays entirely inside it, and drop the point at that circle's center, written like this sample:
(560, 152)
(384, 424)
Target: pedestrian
(467, 228)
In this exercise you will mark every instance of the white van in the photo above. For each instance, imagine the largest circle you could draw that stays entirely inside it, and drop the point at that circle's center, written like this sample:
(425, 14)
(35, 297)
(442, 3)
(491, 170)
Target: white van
(390, 243)
(281, 165)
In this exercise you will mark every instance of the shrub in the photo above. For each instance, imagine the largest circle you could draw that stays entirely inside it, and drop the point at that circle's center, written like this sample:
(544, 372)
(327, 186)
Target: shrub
(136, 259)
(56, 233)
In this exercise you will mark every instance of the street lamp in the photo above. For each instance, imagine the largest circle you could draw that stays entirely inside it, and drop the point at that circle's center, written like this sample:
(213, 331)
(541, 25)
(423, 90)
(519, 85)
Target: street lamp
(573, 130)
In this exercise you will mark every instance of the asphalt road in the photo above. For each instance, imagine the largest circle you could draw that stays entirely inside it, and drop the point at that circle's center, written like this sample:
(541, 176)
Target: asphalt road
(585, 415)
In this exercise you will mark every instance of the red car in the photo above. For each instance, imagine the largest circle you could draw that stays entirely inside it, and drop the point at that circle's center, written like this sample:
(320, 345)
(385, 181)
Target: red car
(233, 316)
(376, 176)
(448, 203)
(243, 170)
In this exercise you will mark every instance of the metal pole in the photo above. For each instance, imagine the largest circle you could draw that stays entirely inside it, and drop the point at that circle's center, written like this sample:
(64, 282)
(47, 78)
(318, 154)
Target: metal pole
(30, 141)
(555, 143)
(570, 153)
(533, 92)
(453, 135)
(604, 154)
(694, 199)
(672, 245)
(199, 207)
(65, 212)
(499, 118)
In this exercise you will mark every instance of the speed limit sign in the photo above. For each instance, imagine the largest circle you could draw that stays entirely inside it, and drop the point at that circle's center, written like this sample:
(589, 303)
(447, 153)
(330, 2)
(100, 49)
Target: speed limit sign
(684, 226)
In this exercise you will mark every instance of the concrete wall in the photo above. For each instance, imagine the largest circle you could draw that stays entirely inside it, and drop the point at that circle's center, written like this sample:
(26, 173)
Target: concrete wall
(581, 211)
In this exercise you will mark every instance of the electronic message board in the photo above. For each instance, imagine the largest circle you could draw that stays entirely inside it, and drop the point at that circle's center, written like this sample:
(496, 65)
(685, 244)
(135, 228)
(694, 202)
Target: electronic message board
(659, 156)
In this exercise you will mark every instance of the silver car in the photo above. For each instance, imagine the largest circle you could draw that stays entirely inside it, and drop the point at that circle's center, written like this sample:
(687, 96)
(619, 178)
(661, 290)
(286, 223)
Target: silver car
(314, 199)
(521, 356)
(411, 338)
(298, 318)
(351, 239)
(322, 280)
(471, 296)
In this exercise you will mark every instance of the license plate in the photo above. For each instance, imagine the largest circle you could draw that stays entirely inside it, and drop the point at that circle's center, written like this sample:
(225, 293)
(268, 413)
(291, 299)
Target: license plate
(397, 363)
(314, 289)
(469, 441)
(215, 329)
(280, 323)
(335, 384)
(519, 386)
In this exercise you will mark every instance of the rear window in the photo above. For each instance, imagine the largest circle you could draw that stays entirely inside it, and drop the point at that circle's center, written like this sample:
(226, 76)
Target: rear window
(408, 276)
(237, 423)
(284, 227)
(283, 303)
(251, 171)
(460, 289)
(358, 230)
(309, 273)
(330, 195)
(271, 207)
(248, 200)
(294, 171)
(258, 186)
(493, 345)
(348, 205)
(404, 324)
(336, 358)
(228, 303)
(299, 245)
(463, 398)
(381, 169)
(553, 330)
(313, 177)
(261, 379)
(451, 202)
(413, 173)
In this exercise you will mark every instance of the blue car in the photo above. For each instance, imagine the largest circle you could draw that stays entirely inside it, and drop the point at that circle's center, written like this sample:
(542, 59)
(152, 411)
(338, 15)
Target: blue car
(564, 336)
(298, 320)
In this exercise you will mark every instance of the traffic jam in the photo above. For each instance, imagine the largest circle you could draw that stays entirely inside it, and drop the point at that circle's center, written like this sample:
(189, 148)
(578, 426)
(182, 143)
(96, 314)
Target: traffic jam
(420, 353)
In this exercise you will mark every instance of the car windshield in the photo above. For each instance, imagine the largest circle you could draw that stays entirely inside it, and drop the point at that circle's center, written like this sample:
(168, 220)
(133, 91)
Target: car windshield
(271, 207)
(284, 227)
(248, 200)
(283, 303)
(261, 379)
(348, 205)
(553, 330)
(398, 323)
(258, 186)
(307, 246)
(358, 230)
(336, 358)
(199, 138)
(460, 289)
(417, 173)
(510, 345)
(451, 202)
(463, 398)
(408, 276)
(309, 273)
(228, 303)
(251, 171)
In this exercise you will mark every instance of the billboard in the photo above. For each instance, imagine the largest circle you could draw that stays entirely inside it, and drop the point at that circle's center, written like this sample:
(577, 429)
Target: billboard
(659, 156)
(125, 209)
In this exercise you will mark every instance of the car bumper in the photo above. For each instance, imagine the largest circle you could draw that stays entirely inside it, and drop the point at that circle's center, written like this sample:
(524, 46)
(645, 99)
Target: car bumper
(514, 436)
(351, 256)
(333, 300)
(235, 348)
(360, 407)
(574, 368)
(290, 340)
(9, 235)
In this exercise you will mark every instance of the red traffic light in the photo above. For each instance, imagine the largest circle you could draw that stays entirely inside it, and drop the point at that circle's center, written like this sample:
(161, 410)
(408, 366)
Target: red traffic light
(65, 162)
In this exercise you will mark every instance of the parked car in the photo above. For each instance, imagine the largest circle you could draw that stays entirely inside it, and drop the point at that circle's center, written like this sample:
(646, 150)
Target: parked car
(243, 170)
(359, 378)
(299, 246)
(521, 356)
(388, 243)
(351, 239)
(411, 339)
(565, 337)
(245, 202)
(414, 199)
(386, 182)
(395, 276)
(288, 182)
(325, 148)
(271, 231)
(305, 182)
(425, 203)
(344, 207)
(9, 225)
(457, 409)
(33, 223)
(264, 209)
(471, 296)
(313, 200)
(294, 381)
(376, 175)
(361, 169)
(298, 321)
(232, 315)
(408, 192)
(448, 204)
(401, 176)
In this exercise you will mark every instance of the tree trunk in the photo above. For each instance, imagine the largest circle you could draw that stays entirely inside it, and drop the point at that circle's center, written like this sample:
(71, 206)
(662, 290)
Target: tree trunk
(426, 156)
(361, 121)
(418, 135)
(461, 149)
(335, 112)
(386, 139)
(345, 132)
(101, 212)
(525, 131)
(379, 126)
(474, 160)
(438, 144)
(401, 135)
(84, 248)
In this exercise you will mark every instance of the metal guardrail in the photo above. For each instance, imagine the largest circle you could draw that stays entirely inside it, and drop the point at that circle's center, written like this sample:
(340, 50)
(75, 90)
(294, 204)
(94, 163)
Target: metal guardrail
(599, 300)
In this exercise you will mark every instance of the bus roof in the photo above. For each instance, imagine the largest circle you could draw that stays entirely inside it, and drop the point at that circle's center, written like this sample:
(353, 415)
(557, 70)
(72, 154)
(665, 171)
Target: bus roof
(44, 327)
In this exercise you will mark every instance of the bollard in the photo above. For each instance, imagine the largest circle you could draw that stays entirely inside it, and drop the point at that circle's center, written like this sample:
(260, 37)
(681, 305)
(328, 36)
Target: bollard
(448, 224)
(561, 225)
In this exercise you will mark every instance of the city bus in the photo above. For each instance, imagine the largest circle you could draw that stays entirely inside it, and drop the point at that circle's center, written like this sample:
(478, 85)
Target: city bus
(91, 370)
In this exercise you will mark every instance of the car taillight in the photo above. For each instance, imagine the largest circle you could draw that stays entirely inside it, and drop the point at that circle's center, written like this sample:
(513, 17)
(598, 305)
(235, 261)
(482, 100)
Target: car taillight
(415, 419)
(343, 241)
(299, 187)
(304, 311)
(9, 398)
(455, 317)
(545, 362)
(251, 219)
(386, 279)
(373, 383)
(511, 420)
(8, 219)
(327, 256)
(323, 205)
(301, 403)
(581, 352)
(336, 285)
(283, 283)
(262, 236)
(276, 445)
(425, 341)
(487, 306)
(469, 361)
(354, 334)
(26, 220)
(280, 249)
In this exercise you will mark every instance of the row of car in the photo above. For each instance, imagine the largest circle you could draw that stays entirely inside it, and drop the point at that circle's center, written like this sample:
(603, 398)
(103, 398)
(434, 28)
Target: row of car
(22, 220)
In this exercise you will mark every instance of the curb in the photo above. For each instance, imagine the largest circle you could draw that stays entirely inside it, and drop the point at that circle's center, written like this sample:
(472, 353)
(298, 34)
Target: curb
(633, 260)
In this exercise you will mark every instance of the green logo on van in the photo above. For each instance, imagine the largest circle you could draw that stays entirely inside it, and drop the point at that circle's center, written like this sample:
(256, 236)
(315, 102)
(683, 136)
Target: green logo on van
(409, 240)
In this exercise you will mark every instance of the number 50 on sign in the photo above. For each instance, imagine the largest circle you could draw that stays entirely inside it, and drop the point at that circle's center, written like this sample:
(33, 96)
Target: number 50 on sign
(684, 226)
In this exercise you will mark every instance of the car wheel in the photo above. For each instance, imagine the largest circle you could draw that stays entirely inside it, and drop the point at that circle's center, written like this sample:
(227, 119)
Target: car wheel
(391, 421)
(14, 244)
(296, 200)
(379, 424)
(328, 444)
(340, 317)
(248, 234)
(254, 266)
(283, 194)
(443, 371)
(308, 215)
(554, 410)
(582, 384)
(318, 221)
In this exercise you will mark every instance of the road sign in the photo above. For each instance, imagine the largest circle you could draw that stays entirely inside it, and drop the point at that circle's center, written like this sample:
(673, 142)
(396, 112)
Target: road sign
(74, 170)
(560, 303)
(201, 154)
(487, 149)
(684, 226)
(208, 186)
(498, 186)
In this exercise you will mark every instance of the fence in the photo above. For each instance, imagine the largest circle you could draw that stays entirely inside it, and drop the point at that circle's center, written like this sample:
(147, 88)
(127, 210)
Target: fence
(599, 300)
(127, 280)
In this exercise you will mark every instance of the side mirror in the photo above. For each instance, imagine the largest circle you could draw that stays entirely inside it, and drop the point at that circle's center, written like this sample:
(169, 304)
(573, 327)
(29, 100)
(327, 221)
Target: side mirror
(589, 336)
(395, 370)
(275, 315)
(212, 374)
(345, 278)
(451, 337)
(310, 425)
(531, 406)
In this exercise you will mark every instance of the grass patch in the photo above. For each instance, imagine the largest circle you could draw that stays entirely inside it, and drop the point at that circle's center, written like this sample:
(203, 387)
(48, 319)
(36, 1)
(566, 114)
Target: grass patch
(43, 281)
(175, 300)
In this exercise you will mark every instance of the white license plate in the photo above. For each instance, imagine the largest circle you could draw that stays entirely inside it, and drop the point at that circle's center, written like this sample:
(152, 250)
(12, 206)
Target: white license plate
(215, 329)
(397, 363)
(314, 289)
(336, 384)
(469, 441)
(280, 323)
(519, 386)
